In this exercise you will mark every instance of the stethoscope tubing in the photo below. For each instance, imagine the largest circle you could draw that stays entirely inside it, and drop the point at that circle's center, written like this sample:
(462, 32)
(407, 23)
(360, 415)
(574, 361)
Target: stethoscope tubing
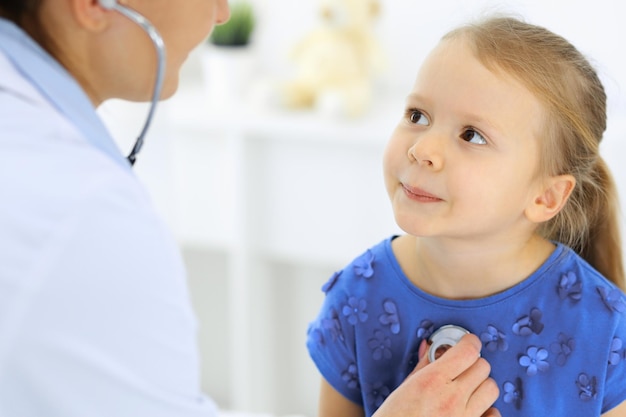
(159, 46)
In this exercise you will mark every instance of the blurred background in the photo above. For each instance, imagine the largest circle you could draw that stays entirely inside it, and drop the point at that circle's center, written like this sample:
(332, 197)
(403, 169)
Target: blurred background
(267, 165)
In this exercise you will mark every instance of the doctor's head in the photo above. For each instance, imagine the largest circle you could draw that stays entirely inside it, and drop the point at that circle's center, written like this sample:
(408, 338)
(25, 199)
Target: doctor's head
(108, 54)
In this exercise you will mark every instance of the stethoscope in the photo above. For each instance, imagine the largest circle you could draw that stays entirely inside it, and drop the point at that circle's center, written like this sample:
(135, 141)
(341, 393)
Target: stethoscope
(159, 45)
(443, 339)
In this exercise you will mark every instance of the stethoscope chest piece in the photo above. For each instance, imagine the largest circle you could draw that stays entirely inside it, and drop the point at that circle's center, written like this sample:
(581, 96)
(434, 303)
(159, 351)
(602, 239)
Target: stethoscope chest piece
(443, 339)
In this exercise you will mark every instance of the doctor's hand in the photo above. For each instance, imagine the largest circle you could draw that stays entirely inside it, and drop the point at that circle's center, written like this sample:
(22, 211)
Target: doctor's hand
(455, 385)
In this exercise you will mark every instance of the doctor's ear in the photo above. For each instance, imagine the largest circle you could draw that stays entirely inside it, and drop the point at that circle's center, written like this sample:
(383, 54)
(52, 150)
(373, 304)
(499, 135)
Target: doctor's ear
(91, 14)
(552, 198)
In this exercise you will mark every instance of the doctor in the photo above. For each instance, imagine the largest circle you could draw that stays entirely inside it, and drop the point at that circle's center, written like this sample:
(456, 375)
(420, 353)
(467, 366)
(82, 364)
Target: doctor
(95, 318)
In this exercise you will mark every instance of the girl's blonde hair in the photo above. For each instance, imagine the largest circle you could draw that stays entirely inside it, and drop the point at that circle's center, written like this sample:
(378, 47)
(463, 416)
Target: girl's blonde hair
(575, 100)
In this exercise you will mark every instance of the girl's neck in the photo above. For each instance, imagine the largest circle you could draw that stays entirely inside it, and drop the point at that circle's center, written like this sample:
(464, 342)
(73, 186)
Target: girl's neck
(462, 270)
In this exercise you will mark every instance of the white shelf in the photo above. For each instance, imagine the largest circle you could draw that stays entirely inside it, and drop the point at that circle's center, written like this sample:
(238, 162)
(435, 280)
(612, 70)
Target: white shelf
(293, 178)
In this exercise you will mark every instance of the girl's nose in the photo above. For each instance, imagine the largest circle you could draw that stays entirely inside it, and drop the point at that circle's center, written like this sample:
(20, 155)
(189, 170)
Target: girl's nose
(426, 151)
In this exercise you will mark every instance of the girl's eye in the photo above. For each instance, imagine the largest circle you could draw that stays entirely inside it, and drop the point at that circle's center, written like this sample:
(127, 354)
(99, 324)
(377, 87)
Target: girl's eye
(417, 117)
(472, 136)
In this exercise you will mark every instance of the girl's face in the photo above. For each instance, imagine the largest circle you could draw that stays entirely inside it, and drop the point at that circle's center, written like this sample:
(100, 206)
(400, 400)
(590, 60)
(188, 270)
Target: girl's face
(463, 162)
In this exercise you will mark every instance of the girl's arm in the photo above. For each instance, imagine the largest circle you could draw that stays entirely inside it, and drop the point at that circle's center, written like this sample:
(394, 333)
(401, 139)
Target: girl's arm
(333, 404)
(619, 411)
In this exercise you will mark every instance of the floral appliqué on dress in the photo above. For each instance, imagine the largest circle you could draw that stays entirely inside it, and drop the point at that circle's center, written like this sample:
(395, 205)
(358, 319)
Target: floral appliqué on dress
(535, 360)
(363, 266)
(494, 339)
(527, 325)
(355, 310)
(390, 316)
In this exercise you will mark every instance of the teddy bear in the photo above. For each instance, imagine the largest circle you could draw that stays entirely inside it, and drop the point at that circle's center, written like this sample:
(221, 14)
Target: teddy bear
(335, 63)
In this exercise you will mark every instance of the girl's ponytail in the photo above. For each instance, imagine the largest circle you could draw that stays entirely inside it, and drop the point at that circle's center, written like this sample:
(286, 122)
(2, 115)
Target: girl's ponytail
(603, 248)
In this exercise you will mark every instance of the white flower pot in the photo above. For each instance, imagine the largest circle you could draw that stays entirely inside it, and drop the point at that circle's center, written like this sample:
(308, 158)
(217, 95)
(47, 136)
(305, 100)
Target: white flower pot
(228, 72)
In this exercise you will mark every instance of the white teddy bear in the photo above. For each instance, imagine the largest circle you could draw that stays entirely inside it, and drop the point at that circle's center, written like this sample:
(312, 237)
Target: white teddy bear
(336, 63)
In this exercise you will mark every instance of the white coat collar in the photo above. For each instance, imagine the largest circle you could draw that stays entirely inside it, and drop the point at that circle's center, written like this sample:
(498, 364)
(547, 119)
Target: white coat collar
(51, 82)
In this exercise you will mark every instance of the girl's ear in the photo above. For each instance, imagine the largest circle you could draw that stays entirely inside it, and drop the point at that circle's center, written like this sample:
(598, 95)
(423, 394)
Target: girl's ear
(552, 198)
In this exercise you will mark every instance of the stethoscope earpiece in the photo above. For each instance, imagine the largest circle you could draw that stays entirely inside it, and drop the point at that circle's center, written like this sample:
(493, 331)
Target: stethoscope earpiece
(108, 4)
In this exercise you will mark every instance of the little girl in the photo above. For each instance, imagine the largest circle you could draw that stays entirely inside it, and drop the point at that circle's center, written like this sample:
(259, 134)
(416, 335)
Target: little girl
(511, 225)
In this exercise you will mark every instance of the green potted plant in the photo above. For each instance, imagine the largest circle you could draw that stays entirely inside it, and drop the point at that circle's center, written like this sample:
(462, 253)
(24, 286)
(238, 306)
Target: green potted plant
(236, 32)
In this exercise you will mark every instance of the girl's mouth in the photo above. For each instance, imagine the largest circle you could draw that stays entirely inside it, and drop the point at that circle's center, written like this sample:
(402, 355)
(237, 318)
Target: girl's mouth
(417, 194)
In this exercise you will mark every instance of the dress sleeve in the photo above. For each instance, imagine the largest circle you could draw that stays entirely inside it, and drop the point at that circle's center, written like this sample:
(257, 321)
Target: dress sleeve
(331, 338)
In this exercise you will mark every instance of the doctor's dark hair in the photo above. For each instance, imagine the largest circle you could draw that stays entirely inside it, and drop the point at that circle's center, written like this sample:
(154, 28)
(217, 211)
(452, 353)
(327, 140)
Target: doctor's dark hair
(571, 92)
(15, 10)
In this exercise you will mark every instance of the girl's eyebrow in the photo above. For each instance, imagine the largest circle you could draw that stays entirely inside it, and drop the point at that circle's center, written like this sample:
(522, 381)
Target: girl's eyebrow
(481, 120)
(416, 97)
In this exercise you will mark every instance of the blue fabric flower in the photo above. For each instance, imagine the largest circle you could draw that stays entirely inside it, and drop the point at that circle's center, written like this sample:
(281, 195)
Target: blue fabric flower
(333, 325)
(351, 376)
(376, 394)
(613, 299)
(616, 354)
(494, 339)
(513, 393)
(535, 360)
(355, 310)
(586, 387)
(363, 265)
(426, 329)
(570, 287)
(527, 325)
(563, 347)
(331, 282)
(380, 345)
(316, 335)
(390, 316)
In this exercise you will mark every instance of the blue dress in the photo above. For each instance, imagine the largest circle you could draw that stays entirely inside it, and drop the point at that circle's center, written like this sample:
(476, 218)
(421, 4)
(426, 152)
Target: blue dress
(556, 342)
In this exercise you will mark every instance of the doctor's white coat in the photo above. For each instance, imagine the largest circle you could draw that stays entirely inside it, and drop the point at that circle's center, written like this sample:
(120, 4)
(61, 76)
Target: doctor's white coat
(95, 318)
